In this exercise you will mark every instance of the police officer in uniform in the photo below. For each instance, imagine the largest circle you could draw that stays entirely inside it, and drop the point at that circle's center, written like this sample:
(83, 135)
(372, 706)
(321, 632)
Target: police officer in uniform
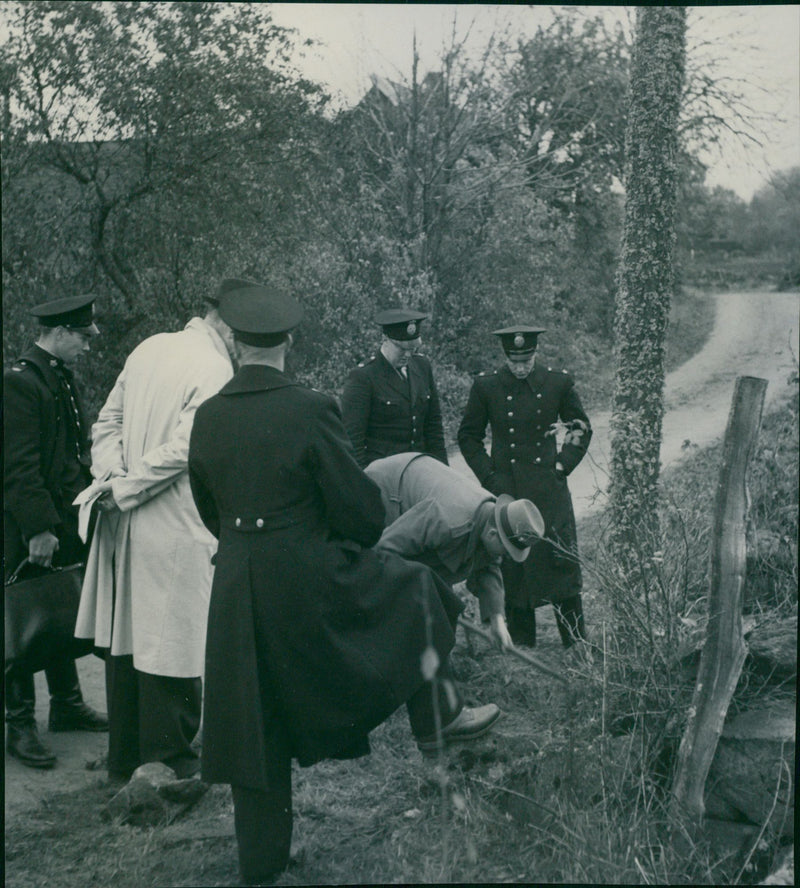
(523, 404)
(45, 467)
(314, 637)
(390, 403)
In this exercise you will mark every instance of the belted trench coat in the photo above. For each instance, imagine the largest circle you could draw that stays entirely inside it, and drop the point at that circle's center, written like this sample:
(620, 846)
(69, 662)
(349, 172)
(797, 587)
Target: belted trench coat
(148, 575)
(522, 415)
(309, 629)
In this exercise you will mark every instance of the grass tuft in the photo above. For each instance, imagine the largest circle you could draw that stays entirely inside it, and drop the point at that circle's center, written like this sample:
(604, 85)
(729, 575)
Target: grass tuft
(572, 786)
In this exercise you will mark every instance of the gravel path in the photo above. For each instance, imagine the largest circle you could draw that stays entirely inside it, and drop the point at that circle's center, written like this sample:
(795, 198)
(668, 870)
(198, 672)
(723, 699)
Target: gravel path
(755, 334)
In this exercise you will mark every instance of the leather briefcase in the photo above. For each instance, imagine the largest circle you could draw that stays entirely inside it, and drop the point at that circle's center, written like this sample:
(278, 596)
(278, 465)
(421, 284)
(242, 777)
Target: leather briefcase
(40, 614)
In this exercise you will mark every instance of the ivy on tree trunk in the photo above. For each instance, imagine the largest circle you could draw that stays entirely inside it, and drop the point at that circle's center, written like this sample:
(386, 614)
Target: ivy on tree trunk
(645, 281)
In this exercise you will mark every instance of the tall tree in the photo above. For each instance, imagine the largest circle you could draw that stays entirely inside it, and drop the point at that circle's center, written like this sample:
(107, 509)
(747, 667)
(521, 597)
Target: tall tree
(133, 111)
(645, 280)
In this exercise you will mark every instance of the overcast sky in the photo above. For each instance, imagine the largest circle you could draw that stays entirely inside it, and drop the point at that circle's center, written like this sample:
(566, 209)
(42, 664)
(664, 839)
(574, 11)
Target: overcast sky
(759, 45)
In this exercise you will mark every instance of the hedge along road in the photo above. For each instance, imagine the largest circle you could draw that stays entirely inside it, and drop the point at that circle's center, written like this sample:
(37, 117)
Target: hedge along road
(755, 334)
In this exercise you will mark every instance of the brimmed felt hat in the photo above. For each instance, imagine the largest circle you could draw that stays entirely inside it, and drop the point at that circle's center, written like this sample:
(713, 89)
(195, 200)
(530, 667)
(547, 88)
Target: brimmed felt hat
(519, 341)
(519, 524)
(259, 314)
(401, 324)
(72, 312)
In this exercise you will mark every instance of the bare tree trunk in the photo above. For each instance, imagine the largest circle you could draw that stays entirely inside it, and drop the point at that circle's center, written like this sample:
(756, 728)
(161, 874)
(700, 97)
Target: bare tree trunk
(645, 280)
(724, 650)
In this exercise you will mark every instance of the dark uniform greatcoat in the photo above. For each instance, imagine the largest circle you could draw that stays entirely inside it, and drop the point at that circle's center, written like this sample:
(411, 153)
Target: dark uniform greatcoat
(522, 414)
(386, 414)
(46, 456)
(307, 629)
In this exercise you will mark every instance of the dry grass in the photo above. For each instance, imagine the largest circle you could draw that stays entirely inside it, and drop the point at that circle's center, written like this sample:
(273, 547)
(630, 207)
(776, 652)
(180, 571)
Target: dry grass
(571, 786)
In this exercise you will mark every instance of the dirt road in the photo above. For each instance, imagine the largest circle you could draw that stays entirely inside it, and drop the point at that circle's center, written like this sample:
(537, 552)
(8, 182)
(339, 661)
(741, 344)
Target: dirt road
(755, 334)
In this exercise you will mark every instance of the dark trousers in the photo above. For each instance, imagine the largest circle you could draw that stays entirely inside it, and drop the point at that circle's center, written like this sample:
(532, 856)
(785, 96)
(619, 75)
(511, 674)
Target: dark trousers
(62, 676)
(62, 682)
(263, 819)
(569, 619)
(151, 718)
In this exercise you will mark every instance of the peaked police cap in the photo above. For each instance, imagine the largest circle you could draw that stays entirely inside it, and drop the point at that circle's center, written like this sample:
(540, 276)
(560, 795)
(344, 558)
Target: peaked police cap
(259, 314)
(520, 340)
(401, 324)
(73, 312)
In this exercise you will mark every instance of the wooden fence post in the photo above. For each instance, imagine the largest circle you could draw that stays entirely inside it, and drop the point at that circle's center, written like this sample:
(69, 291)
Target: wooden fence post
(724, 650)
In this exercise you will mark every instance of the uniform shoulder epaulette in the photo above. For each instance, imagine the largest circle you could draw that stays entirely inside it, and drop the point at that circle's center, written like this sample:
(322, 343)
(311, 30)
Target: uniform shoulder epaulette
(486, 373)
(20, 365)
(368, 361)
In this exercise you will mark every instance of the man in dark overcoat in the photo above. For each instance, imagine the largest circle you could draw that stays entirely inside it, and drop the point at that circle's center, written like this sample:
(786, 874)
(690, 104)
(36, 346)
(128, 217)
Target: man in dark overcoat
(45, 434)
(390, 403)
(524, 404)
(313, 637)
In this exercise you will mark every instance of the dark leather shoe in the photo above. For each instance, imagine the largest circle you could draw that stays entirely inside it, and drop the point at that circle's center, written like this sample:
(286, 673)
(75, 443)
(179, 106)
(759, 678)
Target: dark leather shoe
(76, 717)
(467, 725)
(24, 744)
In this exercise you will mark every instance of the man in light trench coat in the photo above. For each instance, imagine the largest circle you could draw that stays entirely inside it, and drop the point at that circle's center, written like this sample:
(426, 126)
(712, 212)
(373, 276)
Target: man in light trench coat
(148, 576)
(438, 517)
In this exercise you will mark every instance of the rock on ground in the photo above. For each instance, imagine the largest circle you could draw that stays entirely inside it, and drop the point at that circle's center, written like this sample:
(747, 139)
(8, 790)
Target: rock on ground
(154, 796)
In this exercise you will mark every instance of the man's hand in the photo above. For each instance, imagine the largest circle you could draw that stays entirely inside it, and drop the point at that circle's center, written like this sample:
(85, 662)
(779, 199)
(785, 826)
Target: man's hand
(42, 547)
(500, 632)
(106, 502)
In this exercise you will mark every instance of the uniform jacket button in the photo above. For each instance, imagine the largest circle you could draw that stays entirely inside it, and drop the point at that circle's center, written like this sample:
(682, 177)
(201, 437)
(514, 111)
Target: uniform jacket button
(509, 397)
(513, 444)
(513, 460)
(510, 412)
(238, 522)
(538, 459)
(538, 394)
(511, 431)
(259, 522)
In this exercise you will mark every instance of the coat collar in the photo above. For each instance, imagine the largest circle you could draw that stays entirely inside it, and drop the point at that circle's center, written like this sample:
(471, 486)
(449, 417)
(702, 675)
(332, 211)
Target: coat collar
(535, 379)
(537, 376)
(392, 377)
(201, 326)
(50, 368)
(256, 378)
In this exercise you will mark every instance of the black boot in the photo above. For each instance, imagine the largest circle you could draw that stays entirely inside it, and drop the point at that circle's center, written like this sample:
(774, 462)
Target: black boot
(569, 619)
(68, 712)
(24, 744)
(23, 738)
(521, 625)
